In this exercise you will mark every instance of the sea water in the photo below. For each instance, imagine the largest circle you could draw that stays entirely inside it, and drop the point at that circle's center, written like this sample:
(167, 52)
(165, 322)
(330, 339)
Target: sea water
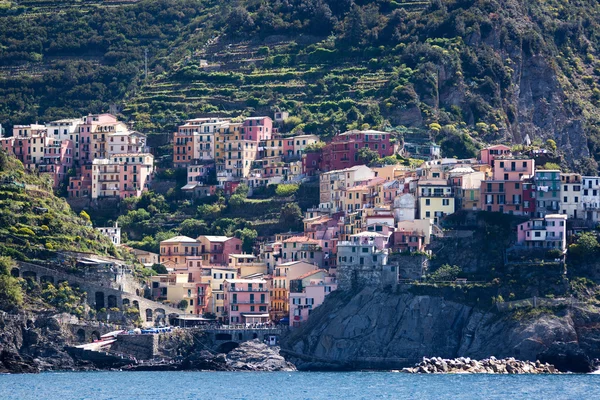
(294, 385)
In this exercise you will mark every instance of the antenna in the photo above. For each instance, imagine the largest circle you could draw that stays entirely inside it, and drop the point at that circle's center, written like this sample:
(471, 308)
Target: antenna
(146, 62)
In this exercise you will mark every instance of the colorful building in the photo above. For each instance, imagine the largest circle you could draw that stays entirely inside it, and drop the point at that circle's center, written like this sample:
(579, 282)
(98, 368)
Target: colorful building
(246, 301)
(549, 232)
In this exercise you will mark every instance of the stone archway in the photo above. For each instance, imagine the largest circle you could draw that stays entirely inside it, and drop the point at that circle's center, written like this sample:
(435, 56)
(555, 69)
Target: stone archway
(126, 303)
(136, 304)
(227, 347)
(240, 336)
(112, 301)
(95, 336)
(255, 335)
(30, 275)
(47, 279)
(100, 301)
(223, 336)
(159, 315)
(15, 272)
(148, 315)
(81, 335)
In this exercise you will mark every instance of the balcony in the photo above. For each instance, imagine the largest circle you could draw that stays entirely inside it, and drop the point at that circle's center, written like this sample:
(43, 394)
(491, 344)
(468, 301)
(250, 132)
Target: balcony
(239, 289)
(591, 206)
(429, 194)
(249, 302)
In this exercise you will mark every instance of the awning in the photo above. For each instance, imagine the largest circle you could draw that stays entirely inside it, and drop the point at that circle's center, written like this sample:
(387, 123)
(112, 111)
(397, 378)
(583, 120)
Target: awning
(189, 186)
(255, 315)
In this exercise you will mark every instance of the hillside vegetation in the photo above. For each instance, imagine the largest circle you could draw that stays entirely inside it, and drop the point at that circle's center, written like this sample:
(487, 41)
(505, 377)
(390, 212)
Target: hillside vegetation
(34, 223)
(465, 72)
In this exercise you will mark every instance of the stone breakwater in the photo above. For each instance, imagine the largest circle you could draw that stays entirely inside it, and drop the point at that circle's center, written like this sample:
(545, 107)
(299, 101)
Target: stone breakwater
(462, 365)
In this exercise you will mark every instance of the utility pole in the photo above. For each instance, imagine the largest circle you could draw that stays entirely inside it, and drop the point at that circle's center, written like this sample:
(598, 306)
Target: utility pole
(146, 63)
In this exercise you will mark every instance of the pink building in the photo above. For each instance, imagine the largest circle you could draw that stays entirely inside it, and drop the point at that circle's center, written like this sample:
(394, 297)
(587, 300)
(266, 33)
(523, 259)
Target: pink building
(123, 175)
(488, 154)
(58, 159)
(343, 150)
(257, 129)
(246, 301)
(306, 296)
(549, 232)
(89, 127)
(215, 250)
(513, 168)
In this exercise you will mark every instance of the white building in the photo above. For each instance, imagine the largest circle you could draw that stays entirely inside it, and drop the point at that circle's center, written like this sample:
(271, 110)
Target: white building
(112, 232)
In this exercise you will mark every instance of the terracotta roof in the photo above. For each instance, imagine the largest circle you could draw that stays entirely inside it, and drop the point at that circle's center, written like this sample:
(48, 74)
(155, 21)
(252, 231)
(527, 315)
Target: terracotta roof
(306, 275)
(300, 239)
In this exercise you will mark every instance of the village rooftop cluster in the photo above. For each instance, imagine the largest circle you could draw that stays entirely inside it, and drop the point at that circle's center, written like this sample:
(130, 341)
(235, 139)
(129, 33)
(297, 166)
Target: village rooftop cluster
(366, 218)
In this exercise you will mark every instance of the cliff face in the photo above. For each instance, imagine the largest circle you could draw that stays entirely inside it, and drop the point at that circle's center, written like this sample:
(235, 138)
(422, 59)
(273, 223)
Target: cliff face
(384, 330)
(33, 345)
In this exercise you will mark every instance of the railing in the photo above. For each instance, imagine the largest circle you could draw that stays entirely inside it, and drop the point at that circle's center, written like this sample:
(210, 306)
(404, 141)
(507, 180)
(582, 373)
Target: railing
(436, 194)
(250, 302)
(236, 289)
(534, 302)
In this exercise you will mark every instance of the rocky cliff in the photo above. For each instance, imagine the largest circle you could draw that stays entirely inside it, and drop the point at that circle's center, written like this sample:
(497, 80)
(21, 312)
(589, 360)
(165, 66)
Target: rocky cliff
(33, 344)
(374, 329)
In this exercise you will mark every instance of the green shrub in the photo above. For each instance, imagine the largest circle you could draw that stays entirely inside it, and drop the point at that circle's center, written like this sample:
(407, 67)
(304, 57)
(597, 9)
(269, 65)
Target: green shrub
(286, 189)
(26, 231)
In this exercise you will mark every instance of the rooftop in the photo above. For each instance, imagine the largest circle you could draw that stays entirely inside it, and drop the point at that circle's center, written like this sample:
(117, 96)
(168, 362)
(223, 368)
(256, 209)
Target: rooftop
(215, 238)
(306, 275)
(180, 239)
(300, 239)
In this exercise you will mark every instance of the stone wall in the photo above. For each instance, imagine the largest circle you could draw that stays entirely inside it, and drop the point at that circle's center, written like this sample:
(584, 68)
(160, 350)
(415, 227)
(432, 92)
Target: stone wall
(143, 347)
(411, 267)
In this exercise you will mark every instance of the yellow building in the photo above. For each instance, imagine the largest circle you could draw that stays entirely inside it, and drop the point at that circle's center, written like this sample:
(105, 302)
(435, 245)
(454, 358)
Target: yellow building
(247, 264)
(281, 285)
(435, 199)
(172, 288)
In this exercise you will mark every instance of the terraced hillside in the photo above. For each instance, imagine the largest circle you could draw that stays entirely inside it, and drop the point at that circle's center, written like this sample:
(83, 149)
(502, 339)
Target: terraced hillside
(466, 71)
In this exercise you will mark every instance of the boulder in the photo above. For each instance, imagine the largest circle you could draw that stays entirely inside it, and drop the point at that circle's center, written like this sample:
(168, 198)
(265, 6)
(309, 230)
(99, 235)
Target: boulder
(567, 357)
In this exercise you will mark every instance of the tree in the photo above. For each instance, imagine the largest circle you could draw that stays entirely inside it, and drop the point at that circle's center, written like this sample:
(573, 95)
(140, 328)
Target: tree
(445, 273)
(587, 243)
(367, 156)
(6, 265)
(239, 20)
(85, 216)
(183, 304)
(159, 269)
(11, 294)
(248, 236)
(236, 200)
(242, 190)
(193, 227)
(291, 216)
(551, 144)
(354, 27)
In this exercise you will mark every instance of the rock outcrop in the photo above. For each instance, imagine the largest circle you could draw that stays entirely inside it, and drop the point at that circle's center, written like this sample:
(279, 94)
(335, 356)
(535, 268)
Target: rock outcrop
(438, 365)
(249, 356)
(33, 344)
(383, 330)
(257, 356)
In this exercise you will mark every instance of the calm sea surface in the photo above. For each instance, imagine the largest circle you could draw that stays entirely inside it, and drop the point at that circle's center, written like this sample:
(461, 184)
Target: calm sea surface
(295, 385)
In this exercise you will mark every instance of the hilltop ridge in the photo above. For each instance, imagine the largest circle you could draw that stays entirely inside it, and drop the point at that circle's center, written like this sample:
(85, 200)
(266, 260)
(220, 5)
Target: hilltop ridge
(463, 71)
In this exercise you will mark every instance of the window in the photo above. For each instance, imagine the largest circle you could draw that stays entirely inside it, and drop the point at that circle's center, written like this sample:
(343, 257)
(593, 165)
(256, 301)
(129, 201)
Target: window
(427, 202)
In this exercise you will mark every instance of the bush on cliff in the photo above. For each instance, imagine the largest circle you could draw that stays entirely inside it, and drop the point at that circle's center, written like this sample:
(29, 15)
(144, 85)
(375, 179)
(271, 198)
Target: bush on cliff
(11, 295)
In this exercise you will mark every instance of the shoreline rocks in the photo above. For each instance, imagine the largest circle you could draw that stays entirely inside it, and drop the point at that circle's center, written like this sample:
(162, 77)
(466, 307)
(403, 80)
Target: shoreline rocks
(462, 365)
(249, 356)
